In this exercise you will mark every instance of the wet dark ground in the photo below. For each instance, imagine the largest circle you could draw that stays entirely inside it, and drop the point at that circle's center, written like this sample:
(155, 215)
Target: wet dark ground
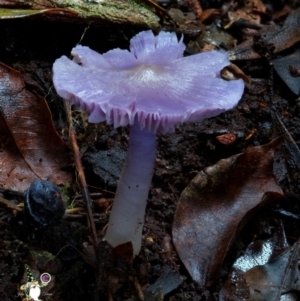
(31, 46)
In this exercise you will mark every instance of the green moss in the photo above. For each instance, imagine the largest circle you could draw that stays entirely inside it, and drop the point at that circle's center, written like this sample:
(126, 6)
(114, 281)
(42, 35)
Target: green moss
(66, 192)
(44, 254)
(123, 12)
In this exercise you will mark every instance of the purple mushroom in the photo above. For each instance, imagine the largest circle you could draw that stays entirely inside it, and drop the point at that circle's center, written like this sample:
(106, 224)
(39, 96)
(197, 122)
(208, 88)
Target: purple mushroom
(152, 88)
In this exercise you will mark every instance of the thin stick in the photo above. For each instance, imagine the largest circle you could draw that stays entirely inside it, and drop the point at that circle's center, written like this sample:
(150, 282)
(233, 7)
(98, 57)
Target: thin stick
(10, 205)
(138, 289)
(81, 176)
(81, 38)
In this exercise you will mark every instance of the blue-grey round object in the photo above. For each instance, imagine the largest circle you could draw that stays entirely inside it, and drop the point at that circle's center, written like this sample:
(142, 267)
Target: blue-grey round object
(43, 204)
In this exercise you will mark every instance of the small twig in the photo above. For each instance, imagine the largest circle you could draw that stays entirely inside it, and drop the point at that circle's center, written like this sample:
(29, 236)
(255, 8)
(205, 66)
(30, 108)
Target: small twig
(84, 32)
(138, 289)
(160, 10)
(81, 176)
(75, 217)
(92, 195)
(10, 204)
(74, 210)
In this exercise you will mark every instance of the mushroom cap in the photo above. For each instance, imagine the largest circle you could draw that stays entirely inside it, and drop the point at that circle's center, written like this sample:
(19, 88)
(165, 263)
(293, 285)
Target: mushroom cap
(152, 82)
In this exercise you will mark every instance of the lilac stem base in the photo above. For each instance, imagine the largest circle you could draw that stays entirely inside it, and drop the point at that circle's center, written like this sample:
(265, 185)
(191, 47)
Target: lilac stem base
(127, 215)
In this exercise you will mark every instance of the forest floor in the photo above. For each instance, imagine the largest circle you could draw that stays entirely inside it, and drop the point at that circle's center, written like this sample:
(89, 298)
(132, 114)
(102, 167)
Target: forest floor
(252, 254)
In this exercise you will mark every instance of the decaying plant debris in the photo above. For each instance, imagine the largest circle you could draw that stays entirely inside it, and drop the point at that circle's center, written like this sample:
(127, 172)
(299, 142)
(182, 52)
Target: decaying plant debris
(260, 138)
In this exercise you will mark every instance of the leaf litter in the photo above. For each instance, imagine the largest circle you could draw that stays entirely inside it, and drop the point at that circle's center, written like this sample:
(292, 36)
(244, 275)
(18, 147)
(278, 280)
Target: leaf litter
(270, 40)
(31, 149)
(267, 271)
(252, 125)
(213, 207)
(285, 66)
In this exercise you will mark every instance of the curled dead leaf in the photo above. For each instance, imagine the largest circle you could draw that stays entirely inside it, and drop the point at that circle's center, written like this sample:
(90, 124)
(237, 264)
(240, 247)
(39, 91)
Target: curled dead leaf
(31, 147)
(215, 205)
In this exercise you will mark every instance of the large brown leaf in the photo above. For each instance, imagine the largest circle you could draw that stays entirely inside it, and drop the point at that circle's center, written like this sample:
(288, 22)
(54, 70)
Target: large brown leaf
(211, 208)
(30, 147)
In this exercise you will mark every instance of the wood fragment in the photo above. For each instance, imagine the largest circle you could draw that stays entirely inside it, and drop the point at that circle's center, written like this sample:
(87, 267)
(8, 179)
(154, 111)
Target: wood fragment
(81, 176)
(10, 205)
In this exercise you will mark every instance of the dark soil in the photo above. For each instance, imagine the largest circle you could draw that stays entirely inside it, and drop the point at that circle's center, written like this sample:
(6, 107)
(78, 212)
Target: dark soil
(31, 46)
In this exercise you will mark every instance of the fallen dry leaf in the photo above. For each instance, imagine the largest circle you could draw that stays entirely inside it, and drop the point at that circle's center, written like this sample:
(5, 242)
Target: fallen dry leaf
(249, 10)
(277, 277)
(210, 14)
(211, 208)
(31, 149)
(216, 36)
(285, 66)
(258, 254)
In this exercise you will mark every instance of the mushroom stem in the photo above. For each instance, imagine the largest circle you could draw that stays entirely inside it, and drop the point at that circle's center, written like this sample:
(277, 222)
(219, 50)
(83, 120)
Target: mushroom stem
(127, 215)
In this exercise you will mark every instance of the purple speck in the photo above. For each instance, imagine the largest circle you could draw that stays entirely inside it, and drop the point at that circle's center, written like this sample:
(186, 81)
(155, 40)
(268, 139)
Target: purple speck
(45, 278)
